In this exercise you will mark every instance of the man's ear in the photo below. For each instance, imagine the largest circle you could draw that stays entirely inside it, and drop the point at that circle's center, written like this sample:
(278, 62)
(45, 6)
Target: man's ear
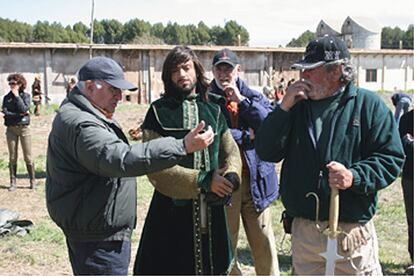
(89, 87)
(238, 68)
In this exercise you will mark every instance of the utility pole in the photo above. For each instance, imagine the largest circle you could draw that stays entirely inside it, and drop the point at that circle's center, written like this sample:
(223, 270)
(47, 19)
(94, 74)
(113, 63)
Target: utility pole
(91, 36)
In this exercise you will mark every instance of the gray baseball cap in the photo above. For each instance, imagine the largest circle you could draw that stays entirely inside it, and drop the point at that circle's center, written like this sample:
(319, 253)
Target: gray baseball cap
(106, 69)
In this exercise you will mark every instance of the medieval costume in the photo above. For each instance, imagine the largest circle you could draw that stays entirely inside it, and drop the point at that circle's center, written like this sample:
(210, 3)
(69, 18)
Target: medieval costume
(185, 231)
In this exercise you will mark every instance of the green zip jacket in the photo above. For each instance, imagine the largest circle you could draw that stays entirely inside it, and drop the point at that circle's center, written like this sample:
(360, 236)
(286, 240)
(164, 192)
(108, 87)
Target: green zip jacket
(363, 137)
(90, 184)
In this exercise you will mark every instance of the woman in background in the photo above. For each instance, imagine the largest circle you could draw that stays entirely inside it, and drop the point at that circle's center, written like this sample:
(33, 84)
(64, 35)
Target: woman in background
(15, 107)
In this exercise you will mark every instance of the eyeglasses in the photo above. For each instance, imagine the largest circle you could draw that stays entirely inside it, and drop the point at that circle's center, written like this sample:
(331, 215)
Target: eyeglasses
(224, 69)
(114, 91)
(12, 83)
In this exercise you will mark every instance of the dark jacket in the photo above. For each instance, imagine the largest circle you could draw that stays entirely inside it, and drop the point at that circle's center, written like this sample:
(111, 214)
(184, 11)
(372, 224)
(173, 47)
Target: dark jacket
(406, 126)
(364, 138)
(16, 109)
(395, 98)
(90, 183)
(252, 112)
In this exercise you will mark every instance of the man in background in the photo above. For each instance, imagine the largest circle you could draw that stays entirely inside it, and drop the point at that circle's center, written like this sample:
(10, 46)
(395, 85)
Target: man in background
(244, 110)
(406, 134)
(401, 102)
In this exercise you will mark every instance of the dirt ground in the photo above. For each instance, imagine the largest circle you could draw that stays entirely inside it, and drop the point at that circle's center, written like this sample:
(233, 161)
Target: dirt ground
(32, 259)
(31, 203)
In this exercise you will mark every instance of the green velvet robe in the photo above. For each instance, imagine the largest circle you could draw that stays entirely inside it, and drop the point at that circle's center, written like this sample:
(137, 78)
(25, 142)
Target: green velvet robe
(182, 234)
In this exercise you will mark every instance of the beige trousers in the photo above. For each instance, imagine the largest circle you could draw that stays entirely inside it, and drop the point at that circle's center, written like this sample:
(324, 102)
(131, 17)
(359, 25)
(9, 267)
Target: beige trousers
(258, 228)
(308, 242)
(13, 135)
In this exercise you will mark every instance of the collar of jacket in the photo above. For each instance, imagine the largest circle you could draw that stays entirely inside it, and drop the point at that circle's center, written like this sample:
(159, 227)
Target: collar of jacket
(349, 92)
(78, 99)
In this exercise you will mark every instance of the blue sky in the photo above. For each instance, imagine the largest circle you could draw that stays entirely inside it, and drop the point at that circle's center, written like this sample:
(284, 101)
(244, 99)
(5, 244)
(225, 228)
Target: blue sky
(269, 22)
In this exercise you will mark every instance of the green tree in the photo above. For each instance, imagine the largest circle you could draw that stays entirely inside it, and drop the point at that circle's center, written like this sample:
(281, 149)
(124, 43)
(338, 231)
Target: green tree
(80, 28)
(98, 32)
(113, 31)
(14, 31)
(216, 34)
(192, 38)
(231, 34)
(409, 37)
(135, 28)
(302, 40)
(391, 37)
(157, 30)
(203, 33)
(75, 37)
(45, 32)
(175, 34)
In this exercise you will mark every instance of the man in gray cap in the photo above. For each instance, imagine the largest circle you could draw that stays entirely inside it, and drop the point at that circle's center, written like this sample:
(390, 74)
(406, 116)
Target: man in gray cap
(91, 170)
(331, 136)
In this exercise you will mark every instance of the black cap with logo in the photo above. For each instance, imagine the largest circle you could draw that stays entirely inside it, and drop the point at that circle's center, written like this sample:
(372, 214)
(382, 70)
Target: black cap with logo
(225, 56)
(322, 50)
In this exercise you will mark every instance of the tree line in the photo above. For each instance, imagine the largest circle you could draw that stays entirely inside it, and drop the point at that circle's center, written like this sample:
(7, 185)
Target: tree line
(135, 31)
(391, 38)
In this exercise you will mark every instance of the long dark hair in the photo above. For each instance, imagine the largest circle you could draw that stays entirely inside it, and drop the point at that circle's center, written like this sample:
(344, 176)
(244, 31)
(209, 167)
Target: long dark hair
(177, 56)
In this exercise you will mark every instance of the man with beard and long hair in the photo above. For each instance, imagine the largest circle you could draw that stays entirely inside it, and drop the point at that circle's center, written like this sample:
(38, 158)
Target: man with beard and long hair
(185, 231)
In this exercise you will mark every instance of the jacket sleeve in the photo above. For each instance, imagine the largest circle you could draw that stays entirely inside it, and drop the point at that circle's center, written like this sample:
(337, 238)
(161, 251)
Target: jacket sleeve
(254, 110)
(176, 182)
(239, 135)
(23, 102)
(383, 155)
(22, 105)
(104, 153)
(230, 155)
(272, 139)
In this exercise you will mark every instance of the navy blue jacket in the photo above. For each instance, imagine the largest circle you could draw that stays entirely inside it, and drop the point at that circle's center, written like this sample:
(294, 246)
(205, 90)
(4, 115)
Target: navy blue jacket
(252, 111)
(16, 109)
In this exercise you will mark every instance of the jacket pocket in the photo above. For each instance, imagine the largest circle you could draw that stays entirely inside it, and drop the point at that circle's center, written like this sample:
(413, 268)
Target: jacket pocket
(267, 179)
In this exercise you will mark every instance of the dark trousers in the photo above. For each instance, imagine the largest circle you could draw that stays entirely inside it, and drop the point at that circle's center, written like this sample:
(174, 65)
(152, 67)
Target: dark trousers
(407, 185)
(99, 258)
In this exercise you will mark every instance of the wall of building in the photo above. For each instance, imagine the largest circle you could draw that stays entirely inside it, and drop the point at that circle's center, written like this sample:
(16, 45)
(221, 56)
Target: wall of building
(57, 63)
(393, 69)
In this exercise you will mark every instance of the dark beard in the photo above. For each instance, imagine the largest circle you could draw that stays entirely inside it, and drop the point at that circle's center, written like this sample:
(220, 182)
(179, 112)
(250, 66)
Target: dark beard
(184, 91)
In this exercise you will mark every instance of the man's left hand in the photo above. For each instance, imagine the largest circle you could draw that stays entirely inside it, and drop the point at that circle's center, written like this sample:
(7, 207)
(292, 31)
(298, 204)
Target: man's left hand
(339, 176)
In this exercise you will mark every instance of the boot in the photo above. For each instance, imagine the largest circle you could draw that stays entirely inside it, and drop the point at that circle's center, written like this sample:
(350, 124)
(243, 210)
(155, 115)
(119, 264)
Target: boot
(12, 170)
(31, 171)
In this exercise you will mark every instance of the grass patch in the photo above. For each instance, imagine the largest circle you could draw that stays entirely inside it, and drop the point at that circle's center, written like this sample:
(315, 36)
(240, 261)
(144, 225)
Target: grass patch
(45, 109)
(46, 232)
